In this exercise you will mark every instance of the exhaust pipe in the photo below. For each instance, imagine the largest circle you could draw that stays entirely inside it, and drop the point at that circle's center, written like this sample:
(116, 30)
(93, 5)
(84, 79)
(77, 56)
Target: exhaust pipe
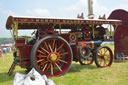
(90, 9)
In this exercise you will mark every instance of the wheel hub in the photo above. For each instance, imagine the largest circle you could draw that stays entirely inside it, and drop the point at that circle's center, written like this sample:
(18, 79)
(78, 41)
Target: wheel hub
(105, 57)
(53, 57)
(83, 52)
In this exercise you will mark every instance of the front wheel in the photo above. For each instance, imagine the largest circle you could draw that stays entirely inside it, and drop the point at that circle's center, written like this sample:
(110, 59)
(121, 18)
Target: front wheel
(51, 56)
(103, 57)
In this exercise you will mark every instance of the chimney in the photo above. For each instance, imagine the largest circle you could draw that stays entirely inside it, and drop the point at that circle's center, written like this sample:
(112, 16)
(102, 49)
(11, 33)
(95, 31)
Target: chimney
(90, 9)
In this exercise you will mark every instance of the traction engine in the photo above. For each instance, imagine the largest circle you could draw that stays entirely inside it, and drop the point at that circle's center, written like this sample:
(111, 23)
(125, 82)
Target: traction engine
(56, 42)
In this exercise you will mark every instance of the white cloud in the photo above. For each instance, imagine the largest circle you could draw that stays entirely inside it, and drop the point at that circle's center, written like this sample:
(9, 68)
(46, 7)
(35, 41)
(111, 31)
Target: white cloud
(82, 6)
(38, 12)
(8, 12)
(73, 9)
(100, 9)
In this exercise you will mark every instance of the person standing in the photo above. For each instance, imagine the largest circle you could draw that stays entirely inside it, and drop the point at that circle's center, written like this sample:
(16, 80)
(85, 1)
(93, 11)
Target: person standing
(5, 51)
(0, 52)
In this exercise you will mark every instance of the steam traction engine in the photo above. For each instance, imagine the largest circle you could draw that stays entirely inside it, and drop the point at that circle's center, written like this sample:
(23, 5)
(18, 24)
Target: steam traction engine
(58, 42)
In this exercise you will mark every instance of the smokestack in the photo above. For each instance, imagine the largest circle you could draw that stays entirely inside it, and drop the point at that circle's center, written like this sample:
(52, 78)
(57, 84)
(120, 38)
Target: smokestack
(90, 9)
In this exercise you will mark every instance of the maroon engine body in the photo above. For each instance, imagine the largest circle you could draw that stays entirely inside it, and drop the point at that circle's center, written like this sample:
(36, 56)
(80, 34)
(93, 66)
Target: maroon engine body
(121, 33)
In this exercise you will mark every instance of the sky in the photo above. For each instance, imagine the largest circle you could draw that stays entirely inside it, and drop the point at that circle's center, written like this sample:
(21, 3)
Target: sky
(54, 8)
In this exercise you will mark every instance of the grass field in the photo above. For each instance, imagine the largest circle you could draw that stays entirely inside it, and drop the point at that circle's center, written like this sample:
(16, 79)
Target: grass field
(117, 74)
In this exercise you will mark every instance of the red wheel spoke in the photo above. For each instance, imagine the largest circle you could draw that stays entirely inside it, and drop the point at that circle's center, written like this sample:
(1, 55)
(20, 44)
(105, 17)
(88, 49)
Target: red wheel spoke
(106, 58)
(64, 53)
(50, 47)
(60, 57)
(45, 50)
(51, 69)
(46, 45)
(60, 46)
(40, 51)
(54, 66)
(40, 60)
(44, 62)
(58, 66)
(40, 56)
(63, 61)
(48, 67)
(45, 67)
(53, 44)
(55, 50)
(59, 63)
(105, 52)
(59, 51)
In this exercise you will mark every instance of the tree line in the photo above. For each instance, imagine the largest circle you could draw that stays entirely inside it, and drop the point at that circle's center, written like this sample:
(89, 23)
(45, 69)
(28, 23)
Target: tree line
(6, 40)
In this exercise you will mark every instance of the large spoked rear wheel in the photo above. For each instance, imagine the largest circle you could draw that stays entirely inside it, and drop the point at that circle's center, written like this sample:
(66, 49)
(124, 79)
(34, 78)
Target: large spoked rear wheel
(52, 56)
(103, 57)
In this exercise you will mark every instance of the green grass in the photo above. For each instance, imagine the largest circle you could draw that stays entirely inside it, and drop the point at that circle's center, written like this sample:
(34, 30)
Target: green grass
(117, 74)
(5, 64)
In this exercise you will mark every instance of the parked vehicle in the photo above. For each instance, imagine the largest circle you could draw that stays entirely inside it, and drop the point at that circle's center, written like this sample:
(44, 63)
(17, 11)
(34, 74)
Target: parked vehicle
(57, 42)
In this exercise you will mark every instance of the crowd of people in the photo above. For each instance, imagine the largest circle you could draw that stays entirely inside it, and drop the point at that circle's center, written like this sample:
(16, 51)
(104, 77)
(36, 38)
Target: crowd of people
(4, 51)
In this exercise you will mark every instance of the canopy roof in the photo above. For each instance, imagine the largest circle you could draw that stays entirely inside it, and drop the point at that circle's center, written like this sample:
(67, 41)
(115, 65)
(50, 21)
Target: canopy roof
(34, 22)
